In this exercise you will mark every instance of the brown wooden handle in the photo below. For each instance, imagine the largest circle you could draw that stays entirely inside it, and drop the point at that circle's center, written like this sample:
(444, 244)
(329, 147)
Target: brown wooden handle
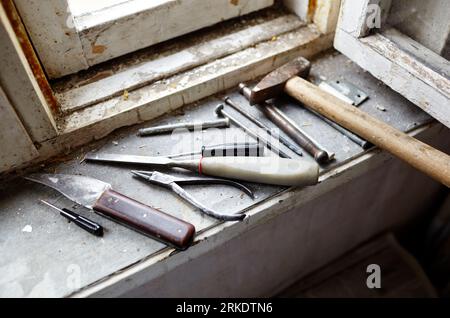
(423, 157)
(147, 220)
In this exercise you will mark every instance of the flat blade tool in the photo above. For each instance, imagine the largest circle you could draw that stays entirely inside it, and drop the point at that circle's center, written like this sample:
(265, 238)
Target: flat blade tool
(100, 197)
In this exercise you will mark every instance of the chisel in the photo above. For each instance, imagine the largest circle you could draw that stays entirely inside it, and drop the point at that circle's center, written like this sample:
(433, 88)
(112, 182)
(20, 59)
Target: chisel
(268, 170)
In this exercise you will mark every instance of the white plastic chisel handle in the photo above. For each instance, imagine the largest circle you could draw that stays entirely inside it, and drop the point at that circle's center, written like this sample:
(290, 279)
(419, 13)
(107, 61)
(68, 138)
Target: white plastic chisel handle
(269, 170)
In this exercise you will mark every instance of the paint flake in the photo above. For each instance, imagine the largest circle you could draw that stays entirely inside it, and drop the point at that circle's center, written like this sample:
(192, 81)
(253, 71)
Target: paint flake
(27, 228)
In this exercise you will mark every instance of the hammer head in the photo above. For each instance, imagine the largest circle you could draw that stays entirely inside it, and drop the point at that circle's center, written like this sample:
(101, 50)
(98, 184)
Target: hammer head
(273, 83)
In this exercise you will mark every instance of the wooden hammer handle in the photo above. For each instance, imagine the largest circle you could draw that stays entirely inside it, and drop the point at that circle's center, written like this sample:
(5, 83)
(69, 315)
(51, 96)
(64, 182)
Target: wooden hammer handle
(423, 157)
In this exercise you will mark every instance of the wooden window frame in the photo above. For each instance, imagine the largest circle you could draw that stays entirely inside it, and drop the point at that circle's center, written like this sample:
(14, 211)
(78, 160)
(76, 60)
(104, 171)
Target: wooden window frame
(67, 44)
(405, 65)
(53, 132)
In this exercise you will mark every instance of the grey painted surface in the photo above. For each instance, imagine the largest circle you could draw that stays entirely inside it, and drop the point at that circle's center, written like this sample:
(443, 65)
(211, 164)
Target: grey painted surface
(268, 258)
(47, 260)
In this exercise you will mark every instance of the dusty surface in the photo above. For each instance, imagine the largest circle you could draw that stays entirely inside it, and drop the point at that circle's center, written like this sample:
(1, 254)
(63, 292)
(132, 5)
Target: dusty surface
(43, 255)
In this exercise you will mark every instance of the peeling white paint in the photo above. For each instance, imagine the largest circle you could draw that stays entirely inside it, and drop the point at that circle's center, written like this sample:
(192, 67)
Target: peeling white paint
(170, 63)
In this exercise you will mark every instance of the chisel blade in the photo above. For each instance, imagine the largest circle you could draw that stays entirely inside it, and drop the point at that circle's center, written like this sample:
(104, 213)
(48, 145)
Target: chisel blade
(80, 189)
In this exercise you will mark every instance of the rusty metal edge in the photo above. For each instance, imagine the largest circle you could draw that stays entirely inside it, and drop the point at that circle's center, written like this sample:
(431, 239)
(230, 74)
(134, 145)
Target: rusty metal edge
(30, 54)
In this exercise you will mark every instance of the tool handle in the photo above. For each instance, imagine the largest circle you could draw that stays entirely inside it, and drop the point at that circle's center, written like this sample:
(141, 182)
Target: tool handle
(234, 149)
(84, 223)
(147, 220)
(423, 157)
(269, 170)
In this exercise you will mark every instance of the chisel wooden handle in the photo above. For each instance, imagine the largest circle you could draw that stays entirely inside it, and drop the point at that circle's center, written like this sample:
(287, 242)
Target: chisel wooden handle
(147, 220)
(421, 156)
(269, 170)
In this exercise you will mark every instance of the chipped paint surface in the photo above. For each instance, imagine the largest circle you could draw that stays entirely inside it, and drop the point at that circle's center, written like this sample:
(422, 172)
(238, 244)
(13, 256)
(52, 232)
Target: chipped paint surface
(93, 123)
(111, 31)
(312, 6)
(159, 66)
(30, 54)
(386, 61)
(50, 25)
(180, 89)
(326, 15)
(21, 88)
(98, 49)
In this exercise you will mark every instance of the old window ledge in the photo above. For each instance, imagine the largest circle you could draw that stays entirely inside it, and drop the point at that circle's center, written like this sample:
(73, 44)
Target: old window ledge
(126, 260)
(149, 84)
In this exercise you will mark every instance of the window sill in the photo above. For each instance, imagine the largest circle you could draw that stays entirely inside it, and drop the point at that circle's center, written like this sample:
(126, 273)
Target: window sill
(119, 29)
(125, 260)
(181, 85)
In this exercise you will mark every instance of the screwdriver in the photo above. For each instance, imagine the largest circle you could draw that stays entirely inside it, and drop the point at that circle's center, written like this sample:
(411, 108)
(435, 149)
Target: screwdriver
(86, 224)
(224, 150)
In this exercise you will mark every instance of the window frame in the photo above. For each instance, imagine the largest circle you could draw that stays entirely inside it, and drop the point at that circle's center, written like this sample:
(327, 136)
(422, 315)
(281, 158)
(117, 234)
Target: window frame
(79, 42)
(54, 133)
(394, 58)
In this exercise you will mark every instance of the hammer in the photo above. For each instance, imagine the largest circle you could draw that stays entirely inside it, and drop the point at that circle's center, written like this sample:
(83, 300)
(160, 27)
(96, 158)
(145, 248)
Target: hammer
(289, 78)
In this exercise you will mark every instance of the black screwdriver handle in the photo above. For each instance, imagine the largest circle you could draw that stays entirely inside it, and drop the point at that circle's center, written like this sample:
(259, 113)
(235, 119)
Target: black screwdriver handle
(86, 224)
(234, 150)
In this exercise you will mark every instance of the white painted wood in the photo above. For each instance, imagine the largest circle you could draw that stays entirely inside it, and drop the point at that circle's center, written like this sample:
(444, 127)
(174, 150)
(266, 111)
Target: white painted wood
(51, 28)
(19, 84)
(300, 8)
(97, 121)
(423, 85)
(406, 66)
(15, 144)
(78, 42)
(171, 63)
(427, 22)
(421, 54)
(133, 25)
(323, 13)
(358, 18)
(326, 15)
(352, 17)
(163, 96)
